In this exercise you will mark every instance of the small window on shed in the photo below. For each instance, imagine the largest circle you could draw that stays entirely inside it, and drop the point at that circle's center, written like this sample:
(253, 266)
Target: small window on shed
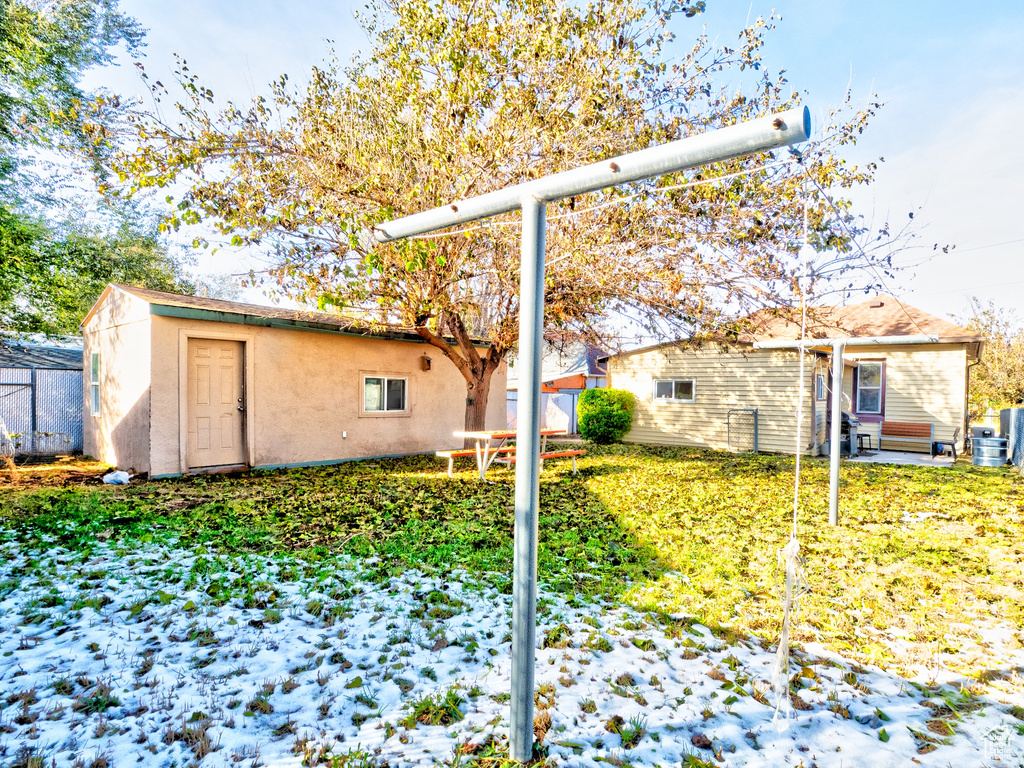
(94, 383)
(673, 390)
(382, 394)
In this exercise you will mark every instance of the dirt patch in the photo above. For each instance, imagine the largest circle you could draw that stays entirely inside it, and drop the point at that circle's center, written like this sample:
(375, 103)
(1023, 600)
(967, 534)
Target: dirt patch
(51, 472)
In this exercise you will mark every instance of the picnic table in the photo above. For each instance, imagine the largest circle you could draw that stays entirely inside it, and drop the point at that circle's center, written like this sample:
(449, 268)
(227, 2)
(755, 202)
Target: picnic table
(492, 445)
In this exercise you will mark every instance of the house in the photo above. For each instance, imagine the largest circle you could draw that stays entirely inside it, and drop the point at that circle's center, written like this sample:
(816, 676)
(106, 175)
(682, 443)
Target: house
(182, 384)
(898, 364)
(40, 397)
(565, 373)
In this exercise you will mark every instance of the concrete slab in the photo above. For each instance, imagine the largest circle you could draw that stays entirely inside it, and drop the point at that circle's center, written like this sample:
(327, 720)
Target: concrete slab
(902, 457)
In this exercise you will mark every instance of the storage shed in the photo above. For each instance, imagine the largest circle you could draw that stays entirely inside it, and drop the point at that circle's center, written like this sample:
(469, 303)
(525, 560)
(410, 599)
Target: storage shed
(183, 384)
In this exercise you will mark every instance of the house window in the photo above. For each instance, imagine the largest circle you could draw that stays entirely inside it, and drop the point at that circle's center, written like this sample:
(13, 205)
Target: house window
(382, 394)
(94, 384)
(673, 390)
(869, 387)
(819, 387)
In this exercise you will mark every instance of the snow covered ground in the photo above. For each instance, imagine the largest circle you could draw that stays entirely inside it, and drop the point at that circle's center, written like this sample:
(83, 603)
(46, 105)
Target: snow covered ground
(157, 656)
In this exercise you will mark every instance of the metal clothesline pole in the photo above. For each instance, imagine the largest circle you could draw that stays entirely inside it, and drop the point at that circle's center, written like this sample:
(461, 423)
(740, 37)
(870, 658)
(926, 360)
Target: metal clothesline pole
(781, 130)
(837, 347)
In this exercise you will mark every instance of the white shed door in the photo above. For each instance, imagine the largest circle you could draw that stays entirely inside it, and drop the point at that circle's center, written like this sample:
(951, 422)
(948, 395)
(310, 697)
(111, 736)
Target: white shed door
(215, 403)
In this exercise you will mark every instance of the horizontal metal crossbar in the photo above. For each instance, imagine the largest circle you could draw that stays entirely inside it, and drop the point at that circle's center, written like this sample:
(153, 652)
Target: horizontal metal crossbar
(781, 130)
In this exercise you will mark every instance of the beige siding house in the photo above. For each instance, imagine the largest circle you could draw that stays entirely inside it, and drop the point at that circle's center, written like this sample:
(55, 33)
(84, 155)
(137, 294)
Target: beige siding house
(900, 364)
(708, 383)
(180, 384)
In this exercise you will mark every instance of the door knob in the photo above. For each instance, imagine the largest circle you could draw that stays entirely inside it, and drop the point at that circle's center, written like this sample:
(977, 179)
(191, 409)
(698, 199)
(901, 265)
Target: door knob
(241, 408)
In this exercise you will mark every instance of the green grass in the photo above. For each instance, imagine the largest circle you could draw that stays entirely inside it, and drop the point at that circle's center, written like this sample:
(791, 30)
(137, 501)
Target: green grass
(666, 530)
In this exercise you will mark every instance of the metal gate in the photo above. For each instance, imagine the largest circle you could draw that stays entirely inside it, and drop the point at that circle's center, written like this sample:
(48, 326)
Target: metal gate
(741, 430)
(560, 411)
(40, 410)
(557, 410)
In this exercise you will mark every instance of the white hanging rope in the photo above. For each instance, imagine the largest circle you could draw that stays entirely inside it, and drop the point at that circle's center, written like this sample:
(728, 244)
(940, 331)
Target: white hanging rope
(789, 560)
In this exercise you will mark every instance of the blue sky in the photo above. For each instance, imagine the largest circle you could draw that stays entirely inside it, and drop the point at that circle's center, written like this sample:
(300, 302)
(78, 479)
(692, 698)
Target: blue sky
(951, 75)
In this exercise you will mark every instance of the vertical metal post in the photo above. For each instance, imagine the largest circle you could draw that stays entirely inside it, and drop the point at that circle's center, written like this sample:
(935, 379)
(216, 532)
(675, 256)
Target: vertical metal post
(837, 418)
(755, 429)
(527, 497)
(34, 424)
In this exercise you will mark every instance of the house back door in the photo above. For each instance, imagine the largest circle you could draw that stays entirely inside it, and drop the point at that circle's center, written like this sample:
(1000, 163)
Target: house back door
(215, 404)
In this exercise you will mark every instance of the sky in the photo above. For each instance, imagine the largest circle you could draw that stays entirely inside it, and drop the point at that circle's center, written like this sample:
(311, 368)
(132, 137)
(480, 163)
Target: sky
(949, 73)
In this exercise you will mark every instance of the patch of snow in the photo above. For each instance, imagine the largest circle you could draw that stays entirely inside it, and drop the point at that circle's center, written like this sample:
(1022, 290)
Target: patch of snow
(159, 655)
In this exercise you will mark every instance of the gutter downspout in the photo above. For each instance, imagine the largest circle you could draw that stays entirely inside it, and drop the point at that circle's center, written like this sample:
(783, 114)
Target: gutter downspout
(967, 398)
(837, 418)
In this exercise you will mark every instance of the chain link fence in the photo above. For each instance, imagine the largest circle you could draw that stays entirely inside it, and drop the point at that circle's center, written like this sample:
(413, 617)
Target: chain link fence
(741, 430)
(40, 411)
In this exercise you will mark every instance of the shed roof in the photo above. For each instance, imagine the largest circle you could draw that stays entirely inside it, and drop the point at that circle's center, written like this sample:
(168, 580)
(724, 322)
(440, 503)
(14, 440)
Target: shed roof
(17, 354)
(219, 310)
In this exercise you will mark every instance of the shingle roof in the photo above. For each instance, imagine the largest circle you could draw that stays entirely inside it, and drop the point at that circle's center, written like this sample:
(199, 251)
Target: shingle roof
(557, 364)
(16, 354)
(880, 316)
(166, 299)
(279, 317)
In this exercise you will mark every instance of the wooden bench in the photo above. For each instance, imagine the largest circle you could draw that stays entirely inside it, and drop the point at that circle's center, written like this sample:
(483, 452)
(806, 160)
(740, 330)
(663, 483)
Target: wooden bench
(908, 432)
(555, 455)
(462, 452)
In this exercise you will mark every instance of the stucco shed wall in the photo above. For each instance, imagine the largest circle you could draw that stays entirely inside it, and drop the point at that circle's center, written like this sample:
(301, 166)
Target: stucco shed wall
(119, 330)
(304, 389)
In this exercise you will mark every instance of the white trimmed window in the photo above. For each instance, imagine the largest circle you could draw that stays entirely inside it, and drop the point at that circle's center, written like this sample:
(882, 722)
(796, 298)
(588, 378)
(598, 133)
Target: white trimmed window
(819, 387)
(94, 383)
(673, 390)
(869, 387)
(383, 394)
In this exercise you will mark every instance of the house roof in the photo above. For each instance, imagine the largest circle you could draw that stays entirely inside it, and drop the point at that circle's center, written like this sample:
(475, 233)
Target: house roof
(557, 364)
(17, 354)
(581, 361)
(219, 310)
(881, 316)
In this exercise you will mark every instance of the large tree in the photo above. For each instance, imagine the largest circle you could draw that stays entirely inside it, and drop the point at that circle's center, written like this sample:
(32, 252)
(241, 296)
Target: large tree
(456, 98)
(56, 254)
(51, 274)
(998, 380)
(46, 46)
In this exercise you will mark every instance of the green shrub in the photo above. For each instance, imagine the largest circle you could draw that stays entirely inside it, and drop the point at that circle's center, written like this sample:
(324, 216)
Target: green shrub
(605, 415)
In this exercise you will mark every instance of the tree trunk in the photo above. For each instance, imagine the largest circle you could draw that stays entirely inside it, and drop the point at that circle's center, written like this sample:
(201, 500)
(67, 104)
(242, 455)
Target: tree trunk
(475, 368)
(477, 394)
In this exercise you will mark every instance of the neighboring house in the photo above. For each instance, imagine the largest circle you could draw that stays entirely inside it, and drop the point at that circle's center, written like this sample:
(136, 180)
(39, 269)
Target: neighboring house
(180, 384)
(564, 375)
(899, 364)
(40, 397)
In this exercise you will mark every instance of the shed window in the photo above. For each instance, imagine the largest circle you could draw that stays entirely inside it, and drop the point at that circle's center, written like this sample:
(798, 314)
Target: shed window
(869, 387)
(381, 394)
(94, 383)
(673, 390)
